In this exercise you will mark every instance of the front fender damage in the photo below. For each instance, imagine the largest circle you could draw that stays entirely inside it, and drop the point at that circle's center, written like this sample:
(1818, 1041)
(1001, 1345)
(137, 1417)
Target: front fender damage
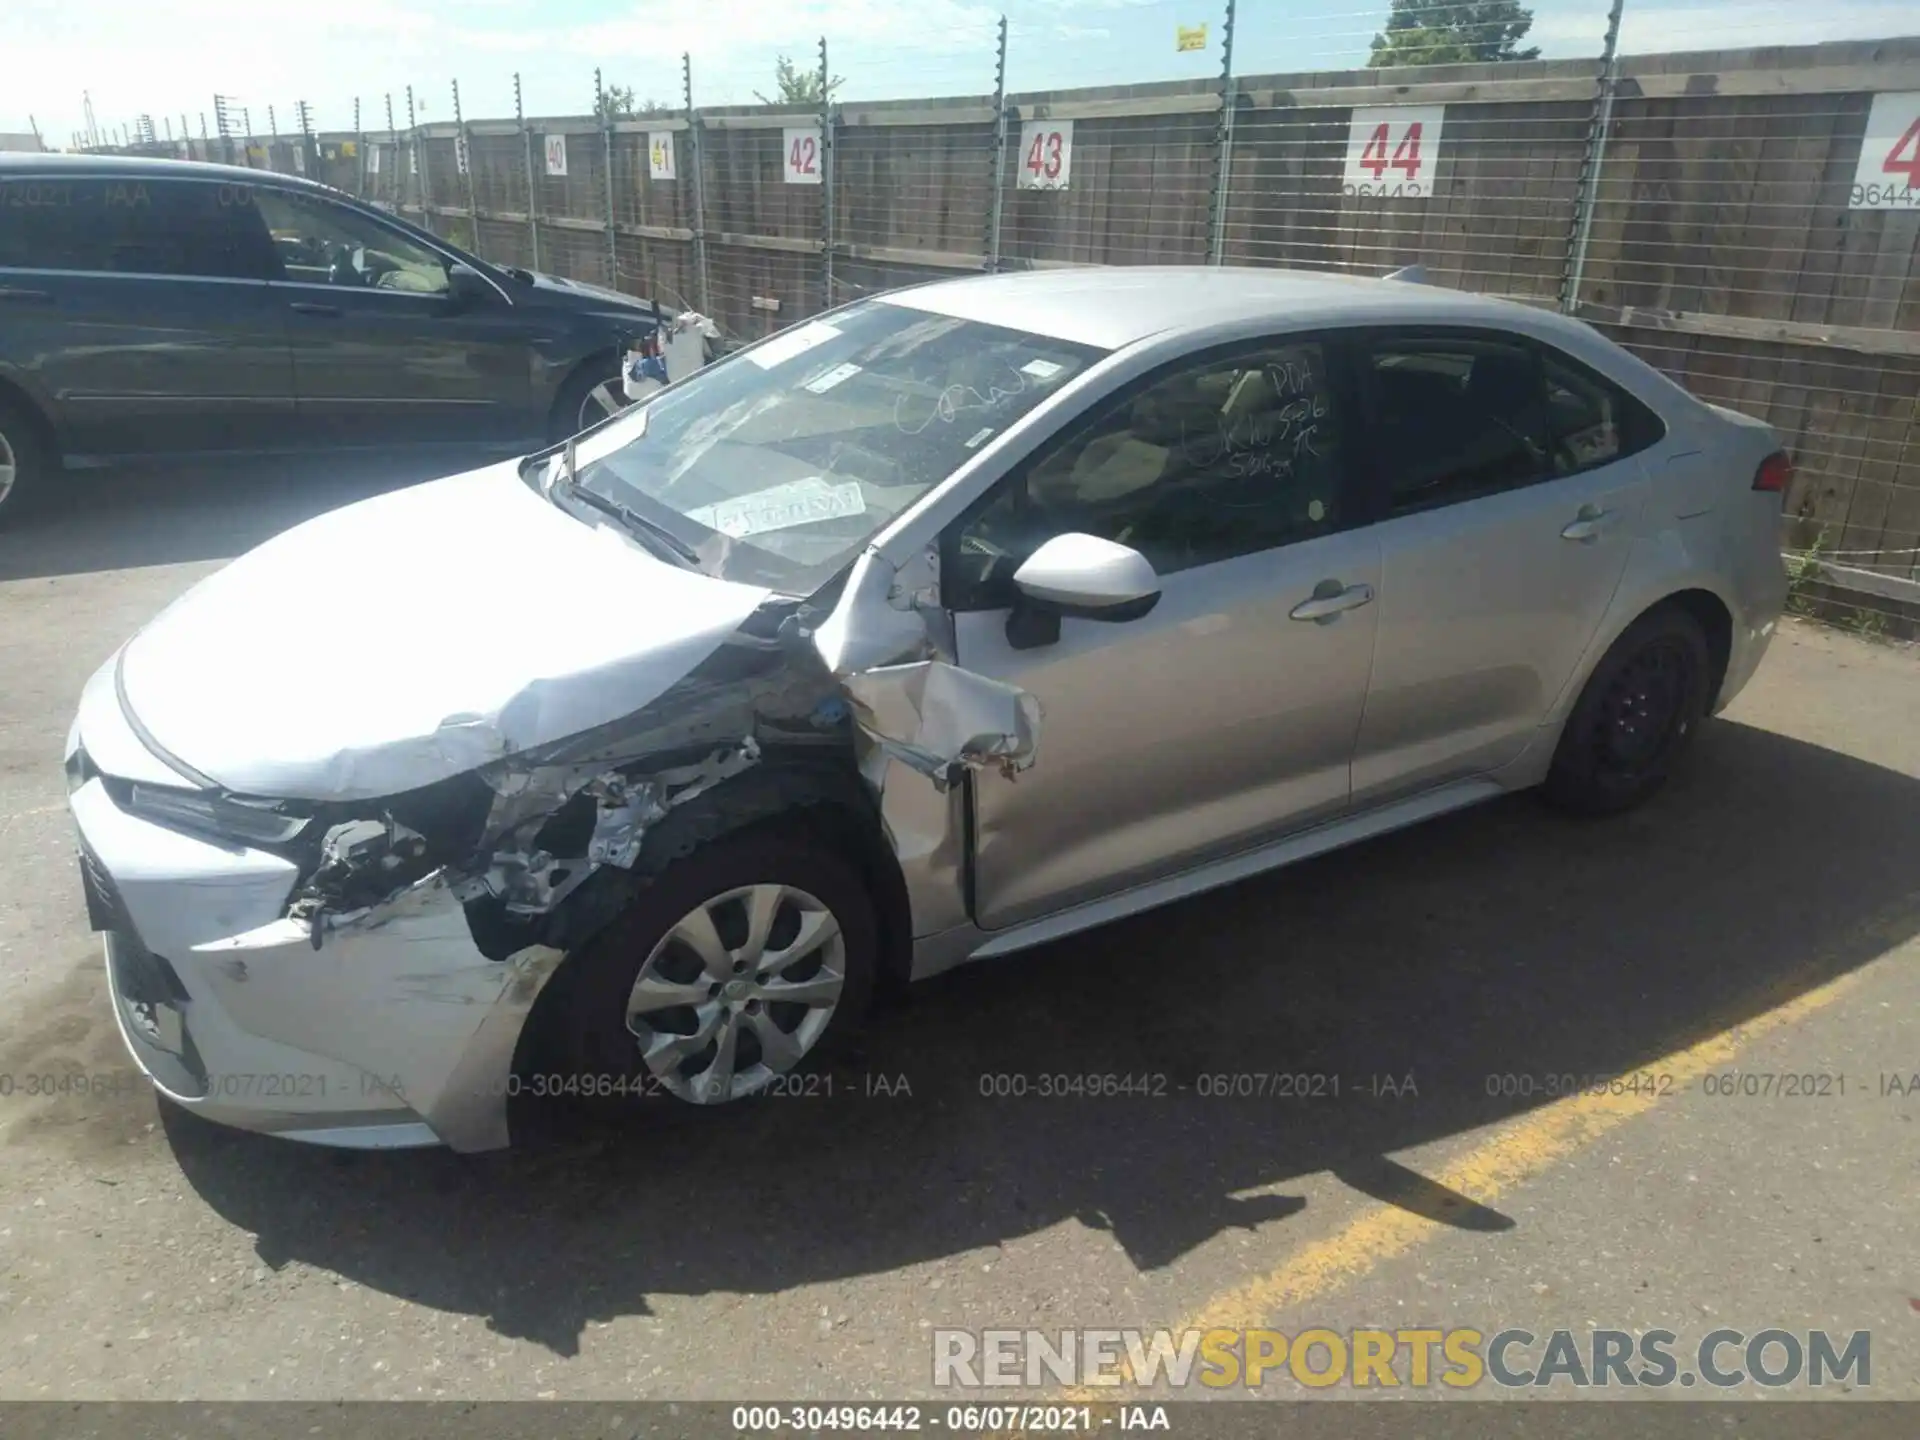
(538, 850)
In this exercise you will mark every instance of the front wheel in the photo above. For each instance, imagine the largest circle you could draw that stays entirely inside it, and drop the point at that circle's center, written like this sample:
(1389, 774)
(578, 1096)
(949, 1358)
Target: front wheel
(742, 965)
(589, 397)
(1639, 711)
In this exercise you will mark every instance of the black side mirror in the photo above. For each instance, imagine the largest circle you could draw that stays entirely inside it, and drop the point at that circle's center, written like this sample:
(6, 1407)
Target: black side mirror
(466, 287)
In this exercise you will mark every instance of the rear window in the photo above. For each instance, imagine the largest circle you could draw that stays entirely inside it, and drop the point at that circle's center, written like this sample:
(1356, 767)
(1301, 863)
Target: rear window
(133, 227)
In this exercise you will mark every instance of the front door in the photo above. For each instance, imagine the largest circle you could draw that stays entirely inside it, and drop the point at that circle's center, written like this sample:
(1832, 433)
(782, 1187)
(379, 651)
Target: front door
(1512, 498)
(1228, 713)
(382, 353)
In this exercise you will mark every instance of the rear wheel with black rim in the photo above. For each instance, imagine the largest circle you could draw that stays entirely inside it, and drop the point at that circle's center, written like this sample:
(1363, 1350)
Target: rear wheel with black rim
(1640, 709)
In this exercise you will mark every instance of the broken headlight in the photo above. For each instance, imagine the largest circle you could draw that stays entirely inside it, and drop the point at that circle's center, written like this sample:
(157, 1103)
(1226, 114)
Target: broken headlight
(216, 816)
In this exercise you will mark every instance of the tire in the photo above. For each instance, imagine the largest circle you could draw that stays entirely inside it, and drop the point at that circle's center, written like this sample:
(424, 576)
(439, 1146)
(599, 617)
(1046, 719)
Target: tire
(581, 400)
(24, 459)
(591, 1027)
(1640, 710)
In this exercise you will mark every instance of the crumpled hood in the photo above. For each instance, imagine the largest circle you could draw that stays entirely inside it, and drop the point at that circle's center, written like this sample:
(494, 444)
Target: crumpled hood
(414, 636)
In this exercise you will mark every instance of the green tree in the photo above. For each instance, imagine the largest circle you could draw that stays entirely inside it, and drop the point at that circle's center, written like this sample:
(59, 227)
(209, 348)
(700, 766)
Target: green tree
(796, 86)
(1446, 32)
(617, 103)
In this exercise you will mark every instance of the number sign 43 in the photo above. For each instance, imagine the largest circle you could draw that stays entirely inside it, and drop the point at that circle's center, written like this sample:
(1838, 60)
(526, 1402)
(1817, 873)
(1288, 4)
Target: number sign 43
(1393, 150)
(1046, 154)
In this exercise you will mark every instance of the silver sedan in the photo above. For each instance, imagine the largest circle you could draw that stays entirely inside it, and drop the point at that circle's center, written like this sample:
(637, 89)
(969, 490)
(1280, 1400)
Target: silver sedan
(954, 621)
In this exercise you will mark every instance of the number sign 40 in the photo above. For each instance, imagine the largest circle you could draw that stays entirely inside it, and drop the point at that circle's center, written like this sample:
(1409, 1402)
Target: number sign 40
(1393, 150)
(1046, 154)
(801, 146)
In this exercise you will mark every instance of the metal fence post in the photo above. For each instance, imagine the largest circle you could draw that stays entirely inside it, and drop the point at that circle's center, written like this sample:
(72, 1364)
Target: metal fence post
(463, 163)
(699, 187)
(359, 152)
(393, 138)
(417, 165)
(996, 209)
(826, 180)
(526, 148)
(1223, 147)
(1587, 186)
(605, 112)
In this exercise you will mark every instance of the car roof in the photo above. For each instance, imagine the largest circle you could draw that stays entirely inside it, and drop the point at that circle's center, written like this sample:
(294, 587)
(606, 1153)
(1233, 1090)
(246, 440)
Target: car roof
(1112, 307)
(140, 167)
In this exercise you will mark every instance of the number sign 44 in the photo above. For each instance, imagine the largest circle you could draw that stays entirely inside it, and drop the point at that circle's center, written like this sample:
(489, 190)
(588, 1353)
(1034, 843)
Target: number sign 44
(1046, 154)
(1394, 149)
(1888, 175)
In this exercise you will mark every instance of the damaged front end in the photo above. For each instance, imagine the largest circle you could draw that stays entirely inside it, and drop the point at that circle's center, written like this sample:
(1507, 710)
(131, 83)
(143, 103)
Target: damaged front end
(534, 854)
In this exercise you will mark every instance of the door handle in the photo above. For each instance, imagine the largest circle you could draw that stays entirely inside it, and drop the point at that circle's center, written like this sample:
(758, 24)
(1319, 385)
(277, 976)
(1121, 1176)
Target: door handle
(1331, 598)
(313, 307)
(25, 297)
(1589, 525)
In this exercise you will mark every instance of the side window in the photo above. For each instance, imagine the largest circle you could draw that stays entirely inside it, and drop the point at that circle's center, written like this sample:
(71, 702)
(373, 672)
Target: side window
(133, 227)
(1218, 458)
(1458, 417)
(1593, 421)
(321, 243)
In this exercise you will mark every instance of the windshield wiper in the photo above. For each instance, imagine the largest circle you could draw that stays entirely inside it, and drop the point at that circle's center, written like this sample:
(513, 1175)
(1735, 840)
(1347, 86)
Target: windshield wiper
(633, 520)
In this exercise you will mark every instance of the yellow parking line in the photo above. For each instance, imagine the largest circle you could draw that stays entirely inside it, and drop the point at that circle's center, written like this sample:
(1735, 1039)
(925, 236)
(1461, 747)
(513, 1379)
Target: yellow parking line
(1516, 1153)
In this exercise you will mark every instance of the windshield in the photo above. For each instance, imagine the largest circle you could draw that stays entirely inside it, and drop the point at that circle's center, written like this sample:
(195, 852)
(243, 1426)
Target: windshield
(778, 465)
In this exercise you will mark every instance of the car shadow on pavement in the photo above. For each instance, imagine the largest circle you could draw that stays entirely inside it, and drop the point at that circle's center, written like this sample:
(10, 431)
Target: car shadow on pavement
(168, 514)
(1503, 942)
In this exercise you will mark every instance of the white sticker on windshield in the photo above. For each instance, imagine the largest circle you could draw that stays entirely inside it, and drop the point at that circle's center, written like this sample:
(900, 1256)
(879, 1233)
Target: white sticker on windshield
(1041, 369)
(799, 502)
(820, 384)
(978, 436)
(791, 343)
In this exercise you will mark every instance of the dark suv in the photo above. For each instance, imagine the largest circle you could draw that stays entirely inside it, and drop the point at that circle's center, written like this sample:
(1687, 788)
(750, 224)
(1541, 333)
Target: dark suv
(155, 308)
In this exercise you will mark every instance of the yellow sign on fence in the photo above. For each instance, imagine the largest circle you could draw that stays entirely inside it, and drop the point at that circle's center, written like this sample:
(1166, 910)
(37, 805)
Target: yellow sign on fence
(1190, 37)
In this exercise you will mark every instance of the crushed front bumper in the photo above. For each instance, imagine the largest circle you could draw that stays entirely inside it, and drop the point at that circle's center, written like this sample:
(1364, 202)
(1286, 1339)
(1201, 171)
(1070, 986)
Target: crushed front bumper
(396, 1031)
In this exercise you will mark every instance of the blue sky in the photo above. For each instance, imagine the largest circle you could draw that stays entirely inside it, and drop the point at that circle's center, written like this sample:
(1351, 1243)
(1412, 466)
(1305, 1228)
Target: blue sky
(168, 58)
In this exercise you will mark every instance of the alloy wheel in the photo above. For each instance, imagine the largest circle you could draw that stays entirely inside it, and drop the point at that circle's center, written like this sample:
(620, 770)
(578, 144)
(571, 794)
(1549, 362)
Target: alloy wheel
(737, 992)
(601, 401)
(9, 467)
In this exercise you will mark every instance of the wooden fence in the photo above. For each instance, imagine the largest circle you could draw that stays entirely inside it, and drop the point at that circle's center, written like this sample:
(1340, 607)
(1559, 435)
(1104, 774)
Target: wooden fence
(1696, 206)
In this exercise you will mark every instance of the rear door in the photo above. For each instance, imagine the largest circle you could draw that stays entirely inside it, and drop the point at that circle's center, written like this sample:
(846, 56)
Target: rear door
(141, 306)
(1225, 715)
(1511, 493)
(382, 353)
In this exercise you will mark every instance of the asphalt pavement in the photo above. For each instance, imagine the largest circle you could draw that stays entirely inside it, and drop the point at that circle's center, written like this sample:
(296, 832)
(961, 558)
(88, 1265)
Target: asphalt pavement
(1759, 918)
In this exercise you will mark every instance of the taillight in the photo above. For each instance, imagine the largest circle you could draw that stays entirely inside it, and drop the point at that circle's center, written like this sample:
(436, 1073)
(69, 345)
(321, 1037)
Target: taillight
(1775, 473)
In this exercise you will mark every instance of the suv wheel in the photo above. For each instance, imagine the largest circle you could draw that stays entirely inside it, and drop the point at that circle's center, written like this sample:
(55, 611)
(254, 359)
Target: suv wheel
(741, 965)
(1638, 712)
(23, 458)
(589, 397)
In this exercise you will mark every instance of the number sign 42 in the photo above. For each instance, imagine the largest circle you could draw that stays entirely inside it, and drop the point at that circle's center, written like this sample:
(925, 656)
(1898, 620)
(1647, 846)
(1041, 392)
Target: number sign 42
(1046, 154)
(1393, 149)
(801, 146)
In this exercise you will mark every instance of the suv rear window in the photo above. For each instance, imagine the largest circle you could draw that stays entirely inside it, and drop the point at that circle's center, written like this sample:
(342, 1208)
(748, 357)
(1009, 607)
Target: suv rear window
(122, 226)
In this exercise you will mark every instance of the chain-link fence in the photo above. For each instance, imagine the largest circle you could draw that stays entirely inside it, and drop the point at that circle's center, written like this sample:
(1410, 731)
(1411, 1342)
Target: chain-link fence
(1745, 220)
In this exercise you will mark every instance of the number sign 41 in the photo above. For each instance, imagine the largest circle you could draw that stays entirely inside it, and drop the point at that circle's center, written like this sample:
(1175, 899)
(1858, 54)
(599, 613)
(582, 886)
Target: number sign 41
(1393, 150)
(801, 148)
(1045, 161)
